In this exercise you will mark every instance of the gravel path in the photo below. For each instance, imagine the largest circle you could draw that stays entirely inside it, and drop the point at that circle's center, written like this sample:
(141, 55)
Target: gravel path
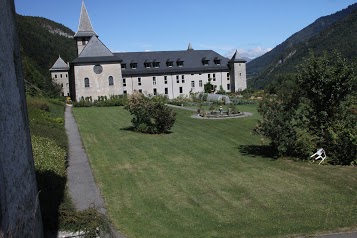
(81, 184)
(82, 187)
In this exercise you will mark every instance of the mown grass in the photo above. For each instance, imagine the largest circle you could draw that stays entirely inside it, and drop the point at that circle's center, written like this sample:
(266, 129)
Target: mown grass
(210, 178)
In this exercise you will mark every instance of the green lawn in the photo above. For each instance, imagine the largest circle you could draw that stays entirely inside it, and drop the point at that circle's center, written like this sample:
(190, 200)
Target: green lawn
(210, 178)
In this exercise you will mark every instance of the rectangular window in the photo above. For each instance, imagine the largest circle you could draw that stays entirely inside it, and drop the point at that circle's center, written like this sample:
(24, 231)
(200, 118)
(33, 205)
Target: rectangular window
(62, 85)
(240, 74)
(55, 75)
(124, 82)
(166, 91)
(170, 64)
(214, 77)
(227, 74)
(179, 63)
(140, 91)
(192, 84)
(217, 61)
(165, 79)
(155, 91)
(66, 75)
(125, 92)
(181, 90)
(183, 77)
(156, 64)
(133, 65)
(228, 86)
(153, 80)
(209, 76)
(177, 79)
(147, 65)
(139, 81)
(123, 66)
(200, 83)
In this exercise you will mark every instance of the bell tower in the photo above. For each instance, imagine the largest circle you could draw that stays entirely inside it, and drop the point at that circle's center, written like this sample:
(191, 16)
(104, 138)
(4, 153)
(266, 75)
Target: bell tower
(85, 30)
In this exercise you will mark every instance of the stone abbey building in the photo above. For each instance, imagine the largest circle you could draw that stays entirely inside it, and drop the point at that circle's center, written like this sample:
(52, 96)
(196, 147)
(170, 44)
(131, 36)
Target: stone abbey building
(99, 72)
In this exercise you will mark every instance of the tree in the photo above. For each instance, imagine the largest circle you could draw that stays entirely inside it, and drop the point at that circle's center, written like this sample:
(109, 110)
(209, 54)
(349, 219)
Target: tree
(208, 87)
(151, 115)
(315, 109)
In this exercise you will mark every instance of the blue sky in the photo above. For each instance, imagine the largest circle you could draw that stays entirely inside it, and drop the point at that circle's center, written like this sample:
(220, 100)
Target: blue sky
(253, 27)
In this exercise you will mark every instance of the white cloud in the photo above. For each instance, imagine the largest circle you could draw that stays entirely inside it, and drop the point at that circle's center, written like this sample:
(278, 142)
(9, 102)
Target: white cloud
(250, 53)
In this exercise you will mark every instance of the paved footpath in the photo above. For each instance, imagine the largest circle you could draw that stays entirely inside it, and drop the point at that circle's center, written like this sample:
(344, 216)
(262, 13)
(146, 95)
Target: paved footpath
(82, 187)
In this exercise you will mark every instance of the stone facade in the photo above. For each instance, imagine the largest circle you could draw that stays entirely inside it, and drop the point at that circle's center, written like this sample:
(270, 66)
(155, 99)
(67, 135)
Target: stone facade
(106, 83)
(19, 204)
(175, 85)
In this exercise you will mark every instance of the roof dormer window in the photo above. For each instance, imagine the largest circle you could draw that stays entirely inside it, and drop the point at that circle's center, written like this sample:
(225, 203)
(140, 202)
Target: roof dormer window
(179, 63)
(156, 64)
(123, 66)
(170, 63)
(133, 65)
(217, 61)
(147, 64)
(205, 61)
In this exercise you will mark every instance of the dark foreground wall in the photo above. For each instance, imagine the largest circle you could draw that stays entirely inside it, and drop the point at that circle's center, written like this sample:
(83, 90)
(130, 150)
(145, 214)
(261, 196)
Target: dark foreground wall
(19, 207)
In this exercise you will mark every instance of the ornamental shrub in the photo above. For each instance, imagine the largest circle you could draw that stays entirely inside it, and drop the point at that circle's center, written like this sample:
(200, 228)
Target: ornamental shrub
(151, 115)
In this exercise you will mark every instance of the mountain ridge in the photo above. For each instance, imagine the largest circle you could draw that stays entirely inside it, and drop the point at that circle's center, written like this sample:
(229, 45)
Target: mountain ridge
(260, 67)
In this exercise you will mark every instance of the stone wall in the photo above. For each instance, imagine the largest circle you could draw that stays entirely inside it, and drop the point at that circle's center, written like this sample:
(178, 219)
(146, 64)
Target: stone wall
(19, 206)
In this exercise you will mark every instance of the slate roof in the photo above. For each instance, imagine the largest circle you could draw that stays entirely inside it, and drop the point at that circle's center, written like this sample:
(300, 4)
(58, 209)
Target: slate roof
(59, 65)
(236, 58)
(85, 28)
(95, 52)
(192, 62)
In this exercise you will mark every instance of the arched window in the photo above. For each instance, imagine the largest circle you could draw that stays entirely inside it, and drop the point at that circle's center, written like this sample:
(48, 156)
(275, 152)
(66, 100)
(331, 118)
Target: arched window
(86, 82)
(111, 81)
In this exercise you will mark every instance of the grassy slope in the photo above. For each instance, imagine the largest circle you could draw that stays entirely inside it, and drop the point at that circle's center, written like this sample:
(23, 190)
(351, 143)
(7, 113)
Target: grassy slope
(203, 180)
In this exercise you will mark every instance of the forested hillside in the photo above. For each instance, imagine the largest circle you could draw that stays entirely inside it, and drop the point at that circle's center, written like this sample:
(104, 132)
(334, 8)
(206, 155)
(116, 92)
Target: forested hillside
(331, 32)
(41, 42)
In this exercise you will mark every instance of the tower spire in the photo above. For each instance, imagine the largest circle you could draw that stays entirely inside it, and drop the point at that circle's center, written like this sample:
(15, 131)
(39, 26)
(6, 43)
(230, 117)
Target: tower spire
(236, 57)
(189, 46)
(85, 28)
